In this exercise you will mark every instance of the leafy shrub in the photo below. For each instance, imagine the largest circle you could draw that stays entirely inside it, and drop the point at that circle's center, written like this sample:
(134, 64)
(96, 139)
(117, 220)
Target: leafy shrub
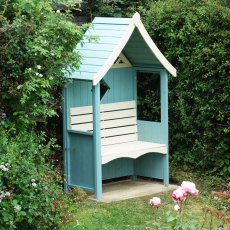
(112, 8)
(31, 194)
(31, 190)
(194, 35)
(36, 51)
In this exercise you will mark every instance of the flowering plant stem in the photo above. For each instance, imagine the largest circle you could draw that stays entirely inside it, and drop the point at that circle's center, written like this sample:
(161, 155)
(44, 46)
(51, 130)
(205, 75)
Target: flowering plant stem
(155, 218)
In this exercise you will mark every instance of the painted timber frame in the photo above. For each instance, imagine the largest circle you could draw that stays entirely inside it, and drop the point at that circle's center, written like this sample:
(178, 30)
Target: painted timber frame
(82, 150)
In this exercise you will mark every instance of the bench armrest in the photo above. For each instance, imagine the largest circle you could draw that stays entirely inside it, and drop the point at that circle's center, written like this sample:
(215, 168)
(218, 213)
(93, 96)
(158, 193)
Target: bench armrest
(90, 133)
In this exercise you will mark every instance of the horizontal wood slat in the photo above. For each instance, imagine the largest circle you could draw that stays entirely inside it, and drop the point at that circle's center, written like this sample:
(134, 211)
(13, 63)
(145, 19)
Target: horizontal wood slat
(118, 131)
(85, 118)
(81, 110)
(105, 33)
(118, 139)
(103, 107)
(88, 117)
(118, 106)
(106, 124)
(118, 122)
(118, 114)
(109, 26)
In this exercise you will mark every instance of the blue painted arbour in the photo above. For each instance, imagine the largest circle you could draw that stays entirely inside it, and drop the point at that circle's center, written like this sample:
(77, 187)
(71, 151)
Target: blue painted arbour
(102, 137)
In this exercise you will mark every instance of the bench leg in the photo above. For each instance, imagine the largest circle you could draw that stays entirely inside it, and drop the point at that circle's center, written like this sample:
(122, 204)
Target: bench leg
(98, 190)
(166, 170)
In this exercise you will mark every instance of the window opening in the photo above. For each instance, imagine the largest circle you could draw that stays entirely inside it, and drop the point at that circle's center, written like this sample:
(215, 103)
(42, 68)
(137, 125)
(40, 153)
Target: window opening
(148, 96)
(103, 88)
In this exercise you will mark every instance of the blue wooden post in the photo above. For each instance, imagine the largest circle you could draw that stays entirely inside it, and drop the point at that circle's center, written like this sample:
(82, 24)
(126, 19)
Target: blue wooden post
(164, 121)
(66, 140)
(97, 141)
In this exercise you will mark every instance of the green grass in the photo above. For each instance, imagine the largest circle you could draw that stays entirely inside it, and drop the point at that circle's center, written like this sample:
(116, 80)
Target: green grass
(137, 214)
(131, 214)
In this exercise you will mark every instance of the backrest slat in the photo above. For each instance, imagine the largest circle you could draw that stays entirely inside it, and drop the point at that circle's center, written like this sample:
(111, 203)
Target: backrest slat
(118, 121)
(118, 131)
(118, 139)
(118, 114)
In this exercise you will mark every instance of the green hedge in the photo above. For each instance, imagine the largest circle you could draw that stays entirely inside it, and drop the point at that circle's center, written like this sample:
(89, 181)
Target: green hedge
(36, 51)
(194, 35)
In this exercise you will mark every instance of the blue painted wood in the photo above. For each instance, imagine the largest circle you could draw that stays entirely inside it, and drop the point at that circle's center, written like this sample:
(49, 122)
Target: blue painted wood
(82, 75)
(109, 27)
(65, 141)
(164, 120)
(106, 40)
(98, 46)
(87, 133)
(150, 165)
(121, 83)
(138, 52)
(94, 61)
(79, 93)
(105, 33)
(117, 21)
(118, 168)
(97, 142)
(151, 131)
(94, 53)
(90, 68)
(81, 161)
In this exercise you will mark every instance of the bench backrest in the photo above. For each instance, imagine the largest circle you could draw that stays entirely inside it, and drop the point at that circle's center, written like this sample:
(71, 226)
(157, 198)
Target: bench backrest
(118, 121)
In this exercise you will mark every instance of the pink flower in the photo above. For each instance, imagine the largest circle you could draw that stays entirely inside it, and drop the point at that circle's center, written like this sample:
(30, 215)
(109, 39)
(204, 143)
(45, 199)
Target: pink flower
(189, 187)
(179, 195)
(176, 207)
(155, 201)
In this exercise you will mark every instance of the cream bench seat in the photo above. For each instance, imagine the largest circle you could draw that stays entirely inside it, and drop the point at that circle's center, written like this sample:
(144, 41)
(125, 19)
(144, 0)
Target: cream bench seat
(119, 134)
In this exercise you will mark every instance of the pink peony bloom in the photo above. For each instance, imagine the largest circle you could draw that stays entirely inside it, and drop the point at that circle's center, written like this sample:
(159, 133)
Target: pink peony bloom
(176, 207)
(155, 201)
(179, 195)
(189, 187)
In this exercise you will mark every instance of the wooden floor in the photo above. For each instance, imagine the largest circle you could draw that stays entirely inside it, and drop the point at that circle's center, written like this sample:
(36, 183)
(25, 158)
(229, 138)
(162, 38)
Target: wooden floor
(128, 189)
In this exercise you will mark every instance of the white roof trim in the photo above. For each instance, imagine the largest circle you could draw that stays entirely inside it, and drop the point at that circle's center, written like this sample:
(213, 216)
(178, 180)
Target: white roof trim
(136, 22)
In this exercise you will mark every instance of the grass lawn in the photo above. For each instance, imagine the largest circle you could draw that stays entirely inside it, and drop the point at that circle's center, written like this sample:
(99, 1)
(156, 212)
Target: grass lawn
(133, 214)
(138, 214)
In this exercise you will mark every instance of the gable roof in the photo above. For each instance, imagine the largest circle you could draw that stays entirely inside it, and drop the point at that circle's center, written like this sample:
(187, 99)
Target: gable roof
(113, 34)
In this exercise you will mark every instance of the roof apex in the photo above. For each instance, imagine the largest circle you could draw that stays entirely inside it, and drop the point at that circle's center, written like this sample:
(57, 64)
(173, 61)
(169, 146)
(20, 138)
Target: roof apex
(120, 38)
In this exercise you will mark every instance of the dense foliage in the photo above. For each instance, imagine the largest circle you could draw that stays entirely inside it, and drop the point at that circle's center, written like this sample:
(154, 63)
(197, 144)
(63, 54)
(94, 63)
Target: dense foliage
(31, 195)
(36, 51)
(194, 35)
(37, 45)
(113, 8)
